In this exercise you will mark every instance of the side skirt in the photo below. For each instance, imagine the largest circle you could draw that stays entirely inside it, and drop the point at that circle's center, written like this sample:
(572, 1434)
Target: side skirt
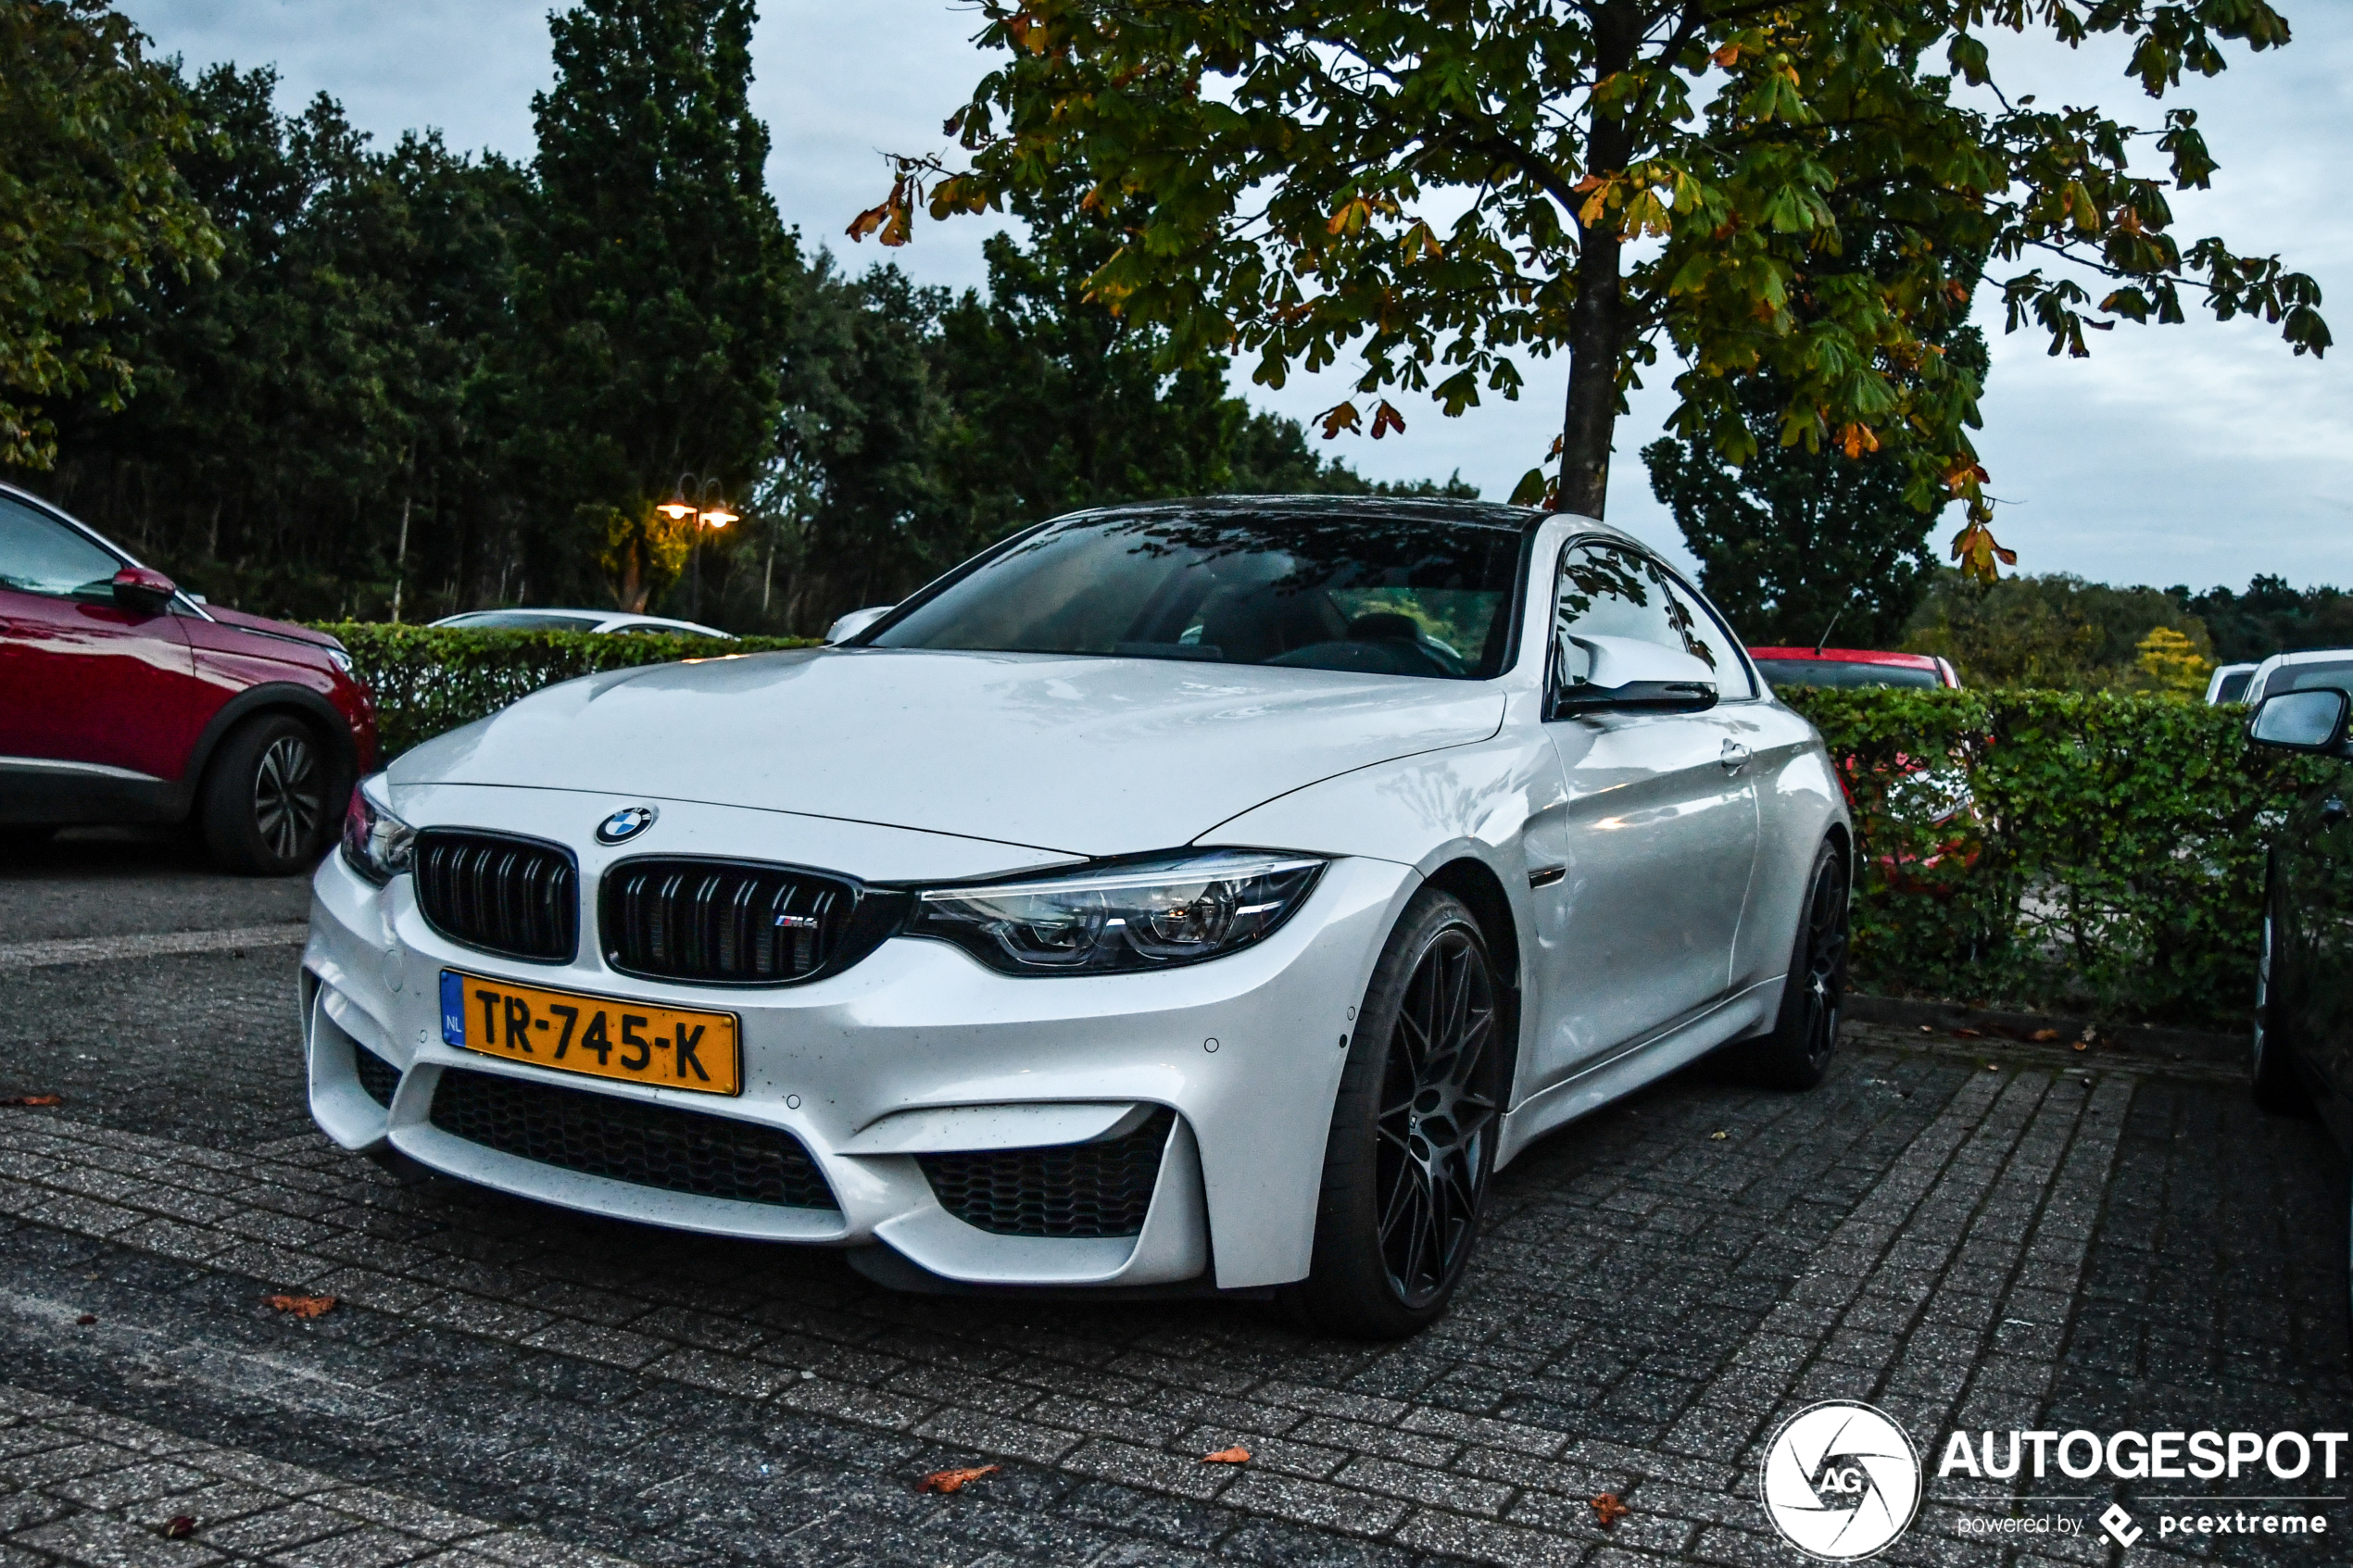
(1628, 1068)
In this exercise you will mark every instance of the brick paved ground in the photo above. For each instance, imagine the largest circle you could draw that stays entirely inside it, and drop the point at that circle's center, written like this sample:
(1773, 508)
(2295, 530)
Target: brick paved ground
(2061, 1240)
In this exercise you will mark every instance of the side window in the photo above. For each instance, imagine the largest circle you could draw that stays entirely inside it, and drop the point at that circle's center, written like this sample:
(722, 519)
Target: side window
(1605, 592)
(1706, 637)
(1608, 592)
(38, 555)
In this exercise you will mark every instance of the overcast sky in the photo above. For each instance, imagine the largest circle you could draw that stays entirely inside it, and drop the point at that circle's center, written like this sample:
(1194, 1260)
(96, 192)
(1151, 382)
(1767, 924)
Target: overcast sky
(2196, 454)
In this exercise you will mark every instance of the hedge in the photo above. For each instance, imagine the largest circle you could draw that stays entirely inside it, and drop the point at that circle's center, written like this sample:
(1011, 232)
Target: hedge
(427, 680)
(2109, 856)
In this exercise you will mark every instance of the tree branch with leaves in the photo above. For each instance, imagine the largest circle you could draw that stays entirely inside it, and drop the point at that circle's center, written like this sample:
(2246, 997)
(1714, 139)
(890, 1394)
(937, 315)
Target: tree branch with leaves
(1446, 190)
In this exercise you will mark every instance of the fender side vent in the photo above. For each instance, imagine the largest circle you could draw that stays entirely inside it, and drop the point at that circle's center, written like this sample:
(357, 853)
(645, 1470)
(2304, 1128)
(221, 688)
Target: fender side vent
(378, 1078)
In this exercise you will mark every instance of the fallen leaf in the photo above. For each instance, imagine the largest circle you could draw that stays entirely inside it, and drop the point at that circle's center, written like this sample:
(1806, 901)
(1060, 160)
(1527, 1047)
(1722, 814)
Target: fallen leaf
(1609, 1510)
(952, 1480)
(1992, 1067)
(33, 1099)
(1926, 1030)
(2044, 1034)
(1720, 1137)
(1235, 1455)
(1969, 1034)
(179, 1528)
(2083, 1044)
(302, 1306)
(86, 1319)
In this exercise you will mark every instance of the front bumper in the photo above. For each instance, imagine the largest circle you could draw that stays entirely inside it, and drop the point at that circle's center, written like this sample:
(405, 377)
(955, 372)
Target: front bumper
(917, 1050)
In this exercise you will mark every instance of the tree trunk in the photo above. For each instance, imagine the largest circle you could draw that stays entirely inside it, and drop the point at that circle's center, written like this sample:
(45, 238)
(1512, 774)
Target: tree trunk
(1597, 321)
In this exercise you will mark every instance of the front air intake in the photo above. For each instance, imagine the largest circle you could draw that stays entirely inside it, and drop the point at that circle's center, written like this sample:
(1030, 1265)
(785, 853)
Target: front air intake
(1076, 1191)
(627, 1140)
(516, 897)
(732, 923)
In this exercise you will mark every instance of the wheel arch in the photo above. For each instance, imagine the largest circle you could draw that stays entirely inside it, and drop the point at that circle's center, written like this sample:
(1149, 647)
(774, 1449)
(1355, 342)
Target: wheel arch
(1482, 890)
(316, 713)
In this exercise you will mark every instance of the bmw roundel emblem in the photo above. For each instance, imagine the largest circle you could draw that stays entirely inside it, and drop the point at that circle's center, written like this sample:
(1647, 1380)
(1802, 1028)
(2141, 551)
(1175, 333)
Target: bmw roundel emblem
(626, 825)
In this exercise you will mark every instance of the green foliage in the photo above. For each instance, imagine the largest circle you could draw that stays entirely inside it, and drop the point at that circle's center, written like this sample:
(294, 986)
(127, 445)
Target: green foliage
(91, 208)
(429, 680)
(1443, 190)
(1795, 543)
(2270, 618)
(654, 286)
(2054, 632)
(2110, 855)
(313, 423)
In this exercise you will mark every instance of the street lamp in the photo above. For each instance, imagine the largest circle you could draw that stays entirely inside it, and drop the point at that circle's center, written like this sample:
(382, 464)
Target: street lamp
(708, 509)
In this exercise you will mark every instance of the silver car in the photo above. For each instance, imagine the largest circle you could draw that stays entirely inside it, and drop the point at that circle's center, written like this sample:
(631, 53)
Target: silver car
(1203, 896)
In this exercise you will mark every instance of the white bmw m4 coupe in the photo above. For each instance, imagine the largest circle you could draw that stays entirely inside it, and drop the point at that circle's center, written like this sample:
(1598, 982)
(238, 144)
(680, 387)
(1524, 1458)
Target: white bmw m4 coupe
(1198, 895)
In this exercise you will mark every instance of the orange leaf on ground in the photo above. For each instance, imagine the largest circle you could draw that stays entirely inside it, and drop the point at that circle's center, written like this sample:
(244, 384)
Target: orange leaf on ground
(1609, 1510)
(1969, 1034)
(181, 1527)
(86, 1319)
(952, 1480)
(302, 1306)
(2044, 1034)
(33, 1099)
(1235, 1455)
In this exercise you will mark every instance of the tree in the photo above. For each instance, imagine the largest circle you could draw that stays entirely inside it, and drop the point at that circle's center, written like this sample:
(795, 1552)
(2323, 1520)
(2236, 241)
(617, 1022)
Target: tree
(1442, 188)
(1796, 544)
(2056, 632)
(2269, 617)
(91, 206)
(653, 289)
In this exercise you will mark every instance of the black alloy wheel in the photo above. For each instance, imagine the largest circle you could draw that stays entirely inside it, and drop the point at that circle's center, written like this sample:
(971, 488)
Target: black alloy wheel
(1413, 1130)
(1805, 1033)
(1437, 1119)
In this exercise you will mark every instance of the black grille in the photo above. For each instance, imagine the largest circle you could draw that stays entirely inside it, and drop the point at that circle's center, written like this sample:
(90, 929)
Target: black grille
(1081, 1189)
(653, 1146)
(512, 896)
(377, 1076)
(731, 923)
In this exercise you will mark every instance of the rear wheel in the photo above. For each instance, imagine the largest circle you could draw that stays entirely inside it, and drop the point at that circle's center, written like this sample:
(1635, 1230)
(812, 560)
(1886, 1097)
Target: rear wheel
(264, 810)
(1412, 1144)
(1798, 1052)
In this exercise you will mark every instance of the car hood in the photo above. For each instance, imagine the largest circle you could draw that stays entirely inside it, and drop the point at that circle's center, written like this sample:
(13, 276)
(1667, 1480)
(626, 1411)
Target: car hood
(1081, 755)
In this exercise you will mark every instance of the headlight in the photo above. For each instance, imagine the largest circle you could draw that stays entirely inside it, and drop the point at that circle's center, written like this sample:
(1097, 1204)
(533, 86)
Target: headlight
(1144, 914)
(375, 843)
(341, 659)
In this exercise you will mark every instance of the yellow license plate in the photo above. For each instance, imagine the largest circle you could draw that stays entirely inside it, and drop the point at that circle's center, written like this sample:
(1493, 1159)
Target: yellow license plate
(636, 1042)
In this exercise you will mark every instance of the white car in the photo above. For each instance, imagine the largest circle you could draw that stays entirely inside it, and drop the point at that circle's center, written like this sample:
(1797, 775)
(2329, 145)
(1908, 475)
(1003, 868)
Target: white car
(1198, 895)
(2228, 684)
(579, 620)
(2311, 668)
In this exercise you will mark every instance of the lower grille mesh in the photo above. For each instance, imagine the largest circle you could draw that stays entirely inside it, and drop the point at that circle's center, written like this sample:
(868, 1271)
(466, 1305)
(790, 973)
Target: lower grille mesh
(377, 1076)
(1072, 1190)
(653, 1146)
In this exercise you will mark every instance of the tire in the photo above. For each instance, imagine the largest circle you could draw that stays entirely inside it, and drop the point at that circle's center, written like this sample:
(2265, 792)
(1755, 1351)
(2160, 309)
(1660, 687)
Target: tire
(1798, 1051)
(267, 805)
(1412, 1145)
(2279, 1088)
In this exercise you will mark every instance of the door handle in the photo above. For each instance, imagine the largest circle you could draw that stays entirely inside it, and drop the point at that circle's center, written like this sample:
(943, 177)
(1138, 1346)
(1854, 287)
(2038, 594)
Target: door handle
(1735, 756)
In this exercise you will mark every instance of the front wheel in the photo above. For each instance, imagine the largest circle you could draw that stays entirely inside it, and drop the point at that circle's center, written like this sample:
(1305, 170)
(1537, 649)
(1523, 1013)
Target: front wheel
(1412, 1144)
(264, 810)
(2278, 1090)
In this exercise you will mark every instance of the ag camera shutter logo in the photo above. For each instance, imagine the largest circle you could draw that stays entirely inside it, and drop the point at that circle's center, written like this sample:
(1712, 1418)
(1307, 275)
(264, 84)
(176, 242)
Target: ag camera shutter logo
(1841, 1481)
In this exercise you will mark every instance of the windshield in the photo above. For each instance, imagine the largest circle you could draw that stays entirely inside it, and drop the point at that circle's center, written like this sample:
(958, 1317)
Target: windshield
(1842, 672)
(1370, 593)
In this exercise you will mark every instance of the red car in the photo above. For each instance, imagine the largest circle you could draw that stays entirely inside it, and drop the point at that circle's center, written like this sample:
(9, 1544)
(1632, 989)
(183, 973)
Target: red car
(1852, 667)
(124, 700)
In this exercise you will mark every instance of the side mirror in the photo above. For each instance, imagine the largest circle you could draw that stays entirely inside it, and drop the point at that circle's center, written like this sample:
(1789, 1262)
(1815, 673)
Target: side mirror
(1596, 674)
(2306, 721)
(142, 590)
(857, 621)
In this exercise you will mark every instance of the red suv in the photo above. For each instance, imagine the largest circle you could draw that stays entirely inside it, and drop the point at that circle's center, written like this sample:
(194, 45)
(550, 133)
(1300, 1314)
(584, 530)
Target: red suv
(124, 700)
